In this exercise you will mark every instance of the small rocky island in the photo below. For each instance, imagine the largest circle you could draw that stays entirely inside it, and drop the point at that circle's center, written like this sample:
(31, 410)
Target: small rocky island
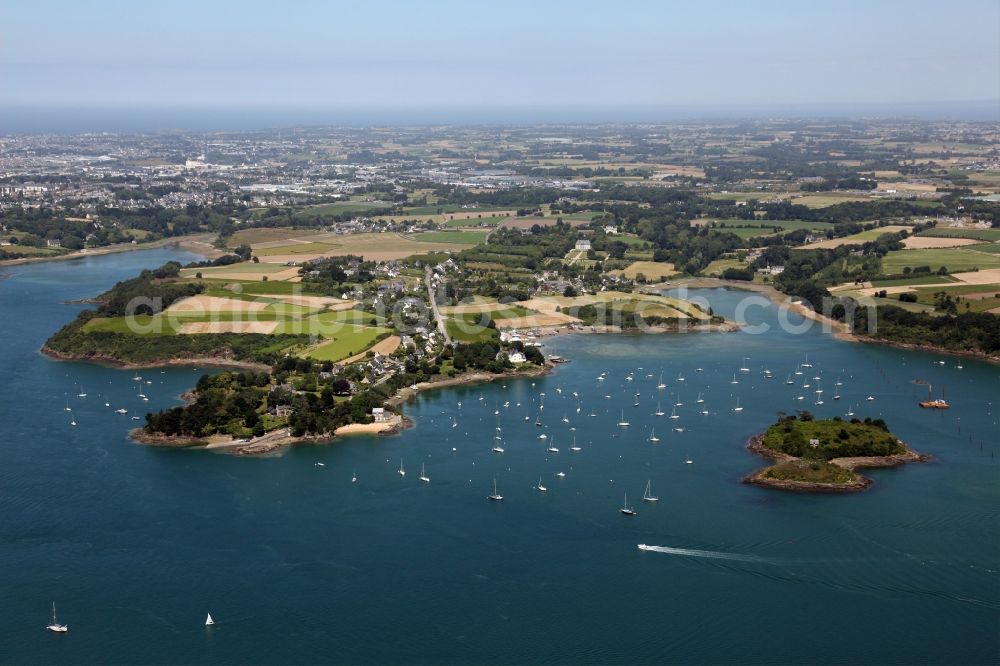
(813, 455)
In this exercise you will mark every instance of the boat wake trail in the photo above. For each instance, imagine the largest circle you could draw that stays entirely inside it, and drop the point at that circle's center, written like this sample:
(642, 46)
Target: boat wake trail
(710, 554)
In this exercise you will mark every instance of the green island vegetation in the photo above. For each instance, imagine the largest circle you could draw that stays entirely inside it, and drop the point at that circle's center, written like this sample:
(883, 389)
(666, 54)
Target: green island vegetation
(822, 454)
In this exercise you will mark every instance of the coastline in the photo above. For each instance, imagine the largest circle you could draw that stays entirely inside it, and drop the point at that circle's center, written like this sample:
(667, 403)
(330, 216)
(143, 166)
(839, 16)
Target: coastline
(755, 445)
(467, 379)
(111, 362)
(197, 243)
(269, 443)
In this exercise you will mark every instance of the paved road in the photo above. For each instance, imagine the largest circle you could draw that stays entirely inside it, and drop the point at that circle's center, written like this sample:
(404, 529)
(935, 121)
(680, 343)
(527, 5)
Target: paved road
(434, 307)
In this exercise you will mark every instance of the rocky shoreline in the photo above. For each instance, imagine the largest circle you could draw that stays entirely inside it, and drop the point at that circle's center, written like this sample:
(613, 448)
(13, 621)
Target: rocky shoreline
(195, 361)
(467, 379)
(267, 444)
(861, 482)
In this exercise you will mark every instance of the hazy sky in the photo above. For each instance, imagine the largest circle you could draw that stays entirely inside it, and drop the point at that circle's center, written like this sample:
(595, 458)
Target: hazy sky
(499, 53)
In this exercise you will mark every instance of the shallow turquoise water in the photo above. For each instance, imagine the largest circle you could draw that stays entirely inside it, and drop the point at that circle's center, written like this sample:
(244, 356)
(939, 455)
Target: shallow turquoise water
(297, 564)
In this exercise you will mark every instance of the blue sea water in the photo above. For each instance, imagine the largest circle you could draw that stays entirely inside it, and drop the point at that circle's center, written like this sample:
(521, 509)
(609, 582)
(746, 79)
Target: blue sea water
(299, 565)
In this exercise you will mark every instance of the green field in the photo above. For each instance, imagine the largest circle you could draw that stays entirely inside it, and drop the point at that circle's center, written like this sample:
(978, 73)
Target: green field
(955, 259)
(348, 341)
(719, 266)
(461, 237)
(468, 331)
(922, 279)
(992, 235)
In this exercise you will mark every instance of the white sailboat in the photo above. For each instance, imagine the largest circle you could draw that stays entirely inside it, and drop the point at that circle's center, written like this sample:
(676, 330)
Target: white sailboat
(674, 414)
(807, 364)
(735, 381)
(55, 627)
(495, 497)
(626, 509)
(704, 410)
(208, 620)
(700, 399)
(652, 436)
(659, 411)
(789, 379)
(402, 472)
(574, 448)
(552, 447)
(737, 408)
(540, 488)
(745, 367)
(498, 448)
(354, 477)
(423, 474)
(623, 423)
(647, 496)
(661, 385)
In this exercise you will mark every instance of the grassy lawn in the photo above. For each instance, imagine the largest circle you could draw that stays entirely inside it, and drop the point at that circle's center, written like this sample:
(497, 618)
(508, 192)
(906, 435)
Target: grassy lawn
(955, 259)
(717, 267)
(348, 341)
(462, 237)
(992, 235)
(462, 331)
(650, 269)
(923, 279)
(858, 238)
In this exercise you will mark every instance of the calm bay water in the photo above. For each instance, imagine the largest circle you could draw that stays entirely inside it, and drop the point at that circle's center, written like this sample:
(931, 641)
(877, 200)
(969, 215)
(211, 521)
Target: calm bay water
(297, 564)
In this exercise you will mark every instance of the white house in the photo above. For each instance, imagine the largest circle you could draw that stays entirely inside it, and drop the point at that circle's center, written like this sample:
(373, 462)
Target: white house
(516, 357)
(380, 415)
(583, 245)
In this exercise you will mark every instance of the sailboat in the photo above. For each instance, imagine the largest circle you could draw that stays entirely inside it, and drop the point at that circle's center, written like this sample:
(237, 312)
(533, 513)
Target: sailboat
(626, 509)
(659, 411)
(82, 393)
(744, 367)
(807, 364)
(495, 497)
(67, 408)
(735, 381)
(661, 385)
(72, 422)
(700, 399)
(647, 496)
(423, 474)
(208, 620)
(652, 436)
(680, 377)
(540, 488)
(704, 410)
(737, 408)
(623, 423)
(574, 448)
(402, 472)
(674, 414)
(454, 422)
(498, 448)
(552, 447)
(789, 379)
(798, 369)
(354, 477)
(55, 627)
